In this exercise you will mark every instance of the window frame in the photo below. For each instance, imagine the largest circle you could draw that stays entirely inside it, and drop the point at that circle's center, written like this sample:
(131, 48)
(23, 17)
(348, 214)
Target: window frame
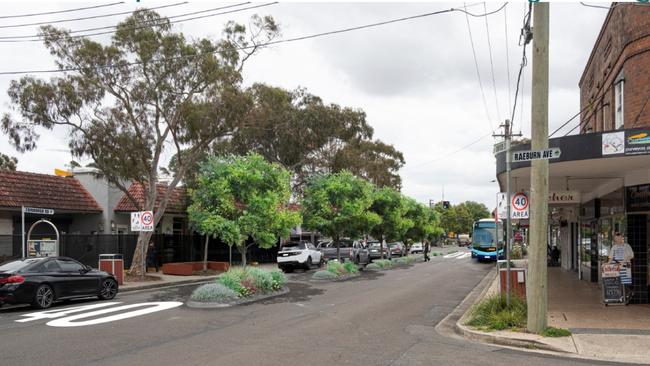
(619, 101)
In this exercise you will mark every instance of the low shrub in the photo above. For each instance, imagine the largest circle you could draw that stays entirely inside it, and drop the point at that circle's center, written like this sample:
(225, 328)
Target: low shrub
(373, 267)
(213, 292)
(401, 262)
(250, 281)
(410, 259)
(556, 332)
(492, 313)
(435, 254)
(324, 275)
(383, 263)
(350, 267)
(336, 268)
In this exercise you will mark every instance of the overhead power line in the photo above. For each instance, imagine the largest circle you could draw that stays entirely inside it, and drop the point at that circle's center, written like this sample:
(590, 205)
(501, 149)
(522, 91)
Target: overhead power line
(59, 11)
(525, 34)
(39, 38)
(505, 23)
(288, 40)
(84, 18)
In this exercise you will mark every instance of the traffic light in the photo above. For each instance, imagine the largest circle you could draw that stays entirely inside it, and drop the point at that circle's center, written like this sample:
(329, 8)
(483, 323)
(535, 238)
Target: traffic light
(445, 205)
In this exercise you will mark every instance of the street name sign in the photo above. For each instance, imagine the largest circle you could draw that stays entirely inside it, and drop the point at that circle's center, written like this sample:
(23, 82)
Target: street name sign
(499, 147)
(40, 211)
(552, 153)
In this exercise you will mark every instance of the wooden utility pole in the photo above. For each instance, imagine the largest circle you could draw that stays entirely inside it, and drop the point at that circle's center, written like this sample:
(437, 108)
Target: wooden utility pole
(537, 272)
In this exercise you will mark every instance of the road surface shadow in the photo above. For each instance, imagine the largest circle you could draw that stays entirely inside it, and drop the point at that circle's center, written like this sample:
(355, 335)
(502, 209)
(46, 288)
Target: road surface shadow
(299, 292)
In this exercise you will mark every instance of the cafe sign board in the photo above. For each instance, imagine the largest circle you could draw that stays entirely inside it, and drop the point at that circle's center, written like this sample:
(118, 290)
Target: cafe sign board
(558, 197)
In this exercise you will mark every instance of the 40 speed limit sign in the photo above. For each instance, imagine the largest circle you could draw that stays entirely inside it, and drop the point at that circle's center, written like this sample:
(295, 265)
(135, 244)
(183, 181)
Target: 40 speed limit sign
(520, 206)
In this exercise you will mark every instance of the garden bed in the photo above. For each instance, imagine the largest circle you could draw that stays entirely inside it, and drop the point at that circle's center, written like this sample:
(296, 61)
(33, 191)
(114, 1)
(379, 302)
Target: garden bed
(239, 286)
(188, 268)
(336, 271)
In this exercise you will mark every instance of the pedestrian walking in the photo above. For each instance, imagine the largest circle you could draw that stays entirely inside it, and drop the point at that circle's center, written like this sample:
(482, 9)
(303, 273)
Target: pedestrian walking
(152, 257)
(426, 251)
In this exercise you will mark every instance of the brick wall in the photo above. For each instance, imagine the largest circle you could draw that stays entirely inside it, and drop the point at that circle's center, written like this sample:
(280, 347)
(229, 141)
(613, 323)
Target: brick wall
(622, 46)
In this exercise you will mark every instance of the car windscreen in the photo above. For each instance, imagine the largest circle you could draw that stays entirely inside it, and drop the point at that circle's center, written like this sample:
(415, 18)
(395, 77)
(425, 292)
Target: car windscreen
(14, 266)
(290, 246)
(374, 244)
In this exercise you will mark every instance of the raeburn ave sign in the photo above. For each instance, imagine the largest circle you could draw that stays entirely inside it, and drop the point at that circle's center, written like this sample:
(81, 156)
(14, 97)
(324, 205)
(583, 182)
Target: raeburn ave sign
(552, 153)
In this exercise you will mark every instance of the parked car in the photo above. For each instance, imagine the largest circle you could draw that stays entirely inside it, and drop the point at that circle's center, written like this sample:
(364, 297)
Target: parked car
(397, 249)
(417, 248)
(298, 254)
(44, 281)
(375, 250)
(464, 240)
(351, 250)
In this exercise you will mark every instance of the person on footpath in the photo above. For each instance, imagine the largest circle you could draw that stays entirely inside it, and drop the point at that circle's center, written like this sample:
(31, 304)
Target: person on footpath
(622, 253)
(152, 256)
(426, 251)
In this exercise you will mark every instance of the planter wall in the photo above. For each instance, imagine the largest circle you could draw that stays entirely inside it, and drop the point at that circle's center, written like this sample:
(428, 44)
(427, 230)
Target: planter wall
(187, 268)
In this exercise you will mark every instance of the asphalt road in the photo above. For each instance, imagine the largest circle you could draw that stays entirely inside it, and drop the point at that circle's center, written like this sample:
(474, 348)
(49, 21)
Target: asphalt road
(379, 318)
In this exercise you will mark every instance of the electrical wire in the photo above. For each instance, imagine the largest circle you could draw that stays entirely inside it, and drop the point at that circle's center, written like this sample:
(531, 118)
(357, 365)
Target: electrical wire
(153, 24)
(478, 75)
(40, 37)
(84, 18)
(494, 84)
(524, 62)
(59, 11)
(270, 43)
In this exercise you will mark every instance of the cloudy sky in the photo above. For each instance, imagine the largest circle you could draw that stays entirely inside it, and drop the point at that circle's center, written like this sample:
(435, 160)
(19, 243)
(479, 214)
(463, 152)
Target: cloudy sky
(416, 80)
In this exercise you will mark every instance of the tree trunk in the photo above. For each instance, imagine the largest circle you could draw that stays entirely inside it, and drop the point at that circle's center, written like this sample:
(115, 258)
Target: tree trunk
(140, 254)
(242, 250)
(338, 248)
(205, 253)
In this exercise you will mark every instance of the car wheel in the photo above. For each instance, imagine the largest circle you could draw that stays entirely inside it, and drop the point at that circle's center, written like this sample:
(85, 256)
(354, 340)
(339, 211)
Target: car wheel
(108, 290)
(308, 265)
(321, 262)
(44, 297)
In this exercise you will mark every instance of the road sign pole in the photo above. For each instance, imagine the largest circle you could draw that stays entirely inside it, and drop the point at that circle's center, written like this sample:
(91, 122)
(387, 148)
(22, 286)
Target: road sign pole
(22, 231)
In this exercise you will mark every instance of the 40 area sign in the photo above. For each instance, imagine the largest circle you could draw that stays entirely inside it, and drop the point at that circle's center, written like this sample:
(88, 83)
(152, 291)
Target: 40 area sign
(142, 221)
(519, 206)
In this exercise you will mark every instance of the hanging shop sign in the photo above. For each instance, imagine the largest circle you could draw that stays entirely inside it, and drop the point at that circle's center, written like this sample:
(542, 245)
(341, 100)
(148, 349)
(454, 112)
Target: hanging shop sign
(637, 198)
(637, 142)
(142, 221)
(563, 197)
(613, 143)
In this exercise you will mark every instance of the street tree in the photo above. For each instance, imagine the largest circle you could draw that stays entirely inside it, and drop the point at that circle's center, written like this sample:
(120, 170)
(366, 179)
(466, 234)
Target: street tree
(307, 136)
(390, 207)
(127, 103)
(424, 221)
(238, 198)
(476, 210)
(8, 162)
(338, 205)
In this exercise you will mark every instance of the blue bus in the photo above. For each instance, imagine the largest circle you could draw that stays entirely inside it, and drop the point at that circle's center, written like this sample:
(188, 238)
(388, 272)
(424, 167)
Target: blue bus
(484, 240)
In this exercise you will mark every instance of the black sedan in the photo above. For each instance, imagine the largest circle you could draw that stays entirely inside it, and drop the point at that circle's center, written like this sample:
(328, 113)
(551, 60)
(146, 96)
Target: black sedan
(43, 281)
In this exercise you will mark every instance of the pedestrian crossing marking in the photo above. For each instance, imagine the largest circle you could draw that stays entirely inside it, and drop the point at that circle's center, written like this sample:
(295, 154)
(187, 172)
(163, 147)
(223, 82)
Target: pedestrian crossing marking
(457, 255)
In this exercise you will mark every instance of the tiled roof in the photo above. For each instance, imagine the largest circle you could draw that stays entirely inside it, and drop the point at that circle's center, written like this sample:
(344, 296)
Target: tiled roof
(44, 191)
(177, 201)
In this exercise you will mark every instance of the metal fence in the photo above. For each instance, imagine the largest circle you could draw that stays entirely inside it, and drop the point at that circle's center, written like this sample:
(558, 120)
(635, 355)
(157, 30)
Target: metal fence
(169, 248)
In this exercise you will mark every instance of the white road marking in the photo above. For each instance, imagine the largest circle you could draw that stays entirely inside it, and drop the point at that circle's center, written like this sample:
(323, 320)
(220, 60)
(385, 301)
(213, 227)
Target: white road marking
(151, 308)
(465, 255)
(453, 255)
(57, 313)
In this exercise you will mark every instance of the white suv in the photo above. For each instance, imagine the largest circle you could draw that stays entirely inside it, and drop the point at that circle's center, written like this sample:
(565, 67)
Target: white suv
(294, 255)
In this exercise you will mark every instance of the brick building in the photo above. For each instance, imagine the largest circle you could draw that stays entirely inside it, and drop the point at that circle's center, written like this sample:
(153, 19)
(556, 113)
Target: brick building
(615, 84)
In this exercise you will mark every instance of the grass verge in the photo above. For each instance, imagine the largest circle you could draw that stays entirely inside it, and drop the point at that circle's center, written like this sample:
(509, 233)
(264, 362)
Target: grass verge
(492, 313)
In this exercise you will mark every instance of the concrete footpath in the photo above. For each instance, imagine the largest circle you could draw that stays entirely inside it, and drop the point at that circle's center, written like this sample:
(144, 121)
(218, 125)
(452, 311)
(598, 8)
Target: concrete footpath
(595, 339)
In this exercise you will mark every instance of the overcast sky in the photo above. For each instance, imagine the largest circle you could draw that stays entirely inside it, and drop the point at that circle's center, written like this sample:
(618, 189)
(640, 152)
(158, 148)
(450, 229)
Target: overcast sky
(416, 80)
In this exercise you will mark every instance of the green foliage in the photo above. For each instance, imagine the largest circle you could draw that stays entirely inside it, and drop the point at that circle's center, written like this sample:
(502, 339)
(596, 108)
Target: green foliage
(337, 268)
(492, 313)
(250, 281)
(241, 197)
(126, 103)
(410, 259)
(213, 292)
(460, 218)
(402, 262)
(324, 275)
(293, 128)
(383, 263)
(425, 221)
(373, 267)
(350, 268)
(337, 205)
(390, 206)
(8, 162)
(555, 332)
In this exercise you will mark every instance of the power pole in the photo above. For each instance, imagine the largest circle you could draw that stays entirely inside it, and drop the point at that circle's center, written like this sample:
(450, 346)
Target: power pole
(507, 135)
(537, 275)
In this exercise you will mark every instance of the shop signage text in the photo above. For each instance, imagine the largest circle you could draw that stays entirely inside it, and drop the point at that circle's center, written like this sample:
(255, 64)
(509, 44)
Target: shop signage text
(552, 153)
(564, 197)
(636, 142)
(40, 211)
(638, 198)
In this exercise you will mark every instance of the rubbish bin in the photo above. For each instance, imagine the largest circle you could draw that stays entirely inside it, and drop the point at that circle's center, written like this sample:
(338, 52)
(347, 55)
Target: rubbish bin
(114, 264)
(517, 281)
